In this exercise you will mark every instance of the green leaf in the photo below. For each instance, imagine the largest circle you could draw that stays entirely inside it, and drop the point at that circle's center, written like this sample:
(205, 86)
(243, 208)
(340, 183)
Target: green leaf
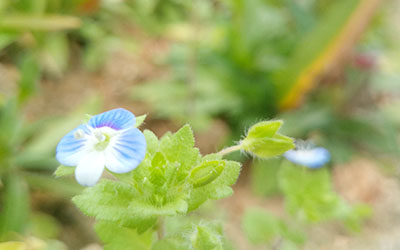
(117, 237)
(263, 140)
(64, 170)
(121, 202)
(179, 148)
(140, 120)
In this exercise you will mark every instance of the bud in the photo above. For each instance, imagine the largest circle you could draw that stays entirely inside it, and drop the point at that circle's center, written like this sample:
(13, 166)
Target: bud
(263, 140)
(206, 172)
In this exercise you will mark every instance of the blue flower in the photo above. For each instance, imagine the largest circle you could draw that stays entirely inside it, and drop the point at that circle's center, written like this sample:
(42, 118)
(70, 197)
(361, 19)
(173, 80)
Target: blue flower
(309, 156)
(108, 140)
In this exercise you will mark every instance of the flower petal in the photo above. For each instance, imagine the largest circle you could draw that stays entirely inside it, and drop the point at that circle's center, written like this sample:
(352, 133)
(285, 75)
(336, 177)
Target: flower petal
(117, 119)
(70, 149)
(90, 168)
(312, 158)
(125, 151)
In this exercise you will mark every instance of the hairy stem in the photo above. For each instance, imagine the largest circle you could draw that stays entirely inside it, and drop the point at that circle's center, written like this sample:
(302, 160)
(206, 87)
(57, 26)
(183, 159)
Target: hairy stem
(230, 149)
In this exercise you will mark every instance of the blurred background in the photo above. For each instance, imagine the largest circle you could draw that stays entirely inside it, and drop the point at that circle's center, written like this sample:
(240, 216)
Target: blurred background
(329, 69)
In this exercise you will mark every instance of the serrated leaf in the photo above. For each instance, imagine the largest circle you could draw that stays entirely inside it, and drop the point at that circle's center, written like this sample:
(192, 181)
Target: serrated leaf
(121, 202)
(64, 171)
(179, 148)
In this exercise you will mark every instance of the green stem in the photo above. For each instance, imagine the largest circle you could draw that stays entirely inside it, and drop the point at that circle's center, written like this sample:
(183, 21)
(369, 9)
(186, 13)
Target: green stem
(160, 229)
(230, 149)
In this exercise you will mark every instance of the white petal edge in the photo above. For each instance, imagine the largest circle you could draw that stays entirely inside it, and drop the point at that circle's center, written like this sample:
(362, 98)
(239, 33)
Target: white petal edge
(89, 169)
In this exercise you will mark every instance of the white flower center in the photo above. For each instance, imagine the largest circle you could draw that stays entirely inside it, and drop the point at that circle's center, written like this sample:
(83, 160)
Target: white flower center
(102, 137)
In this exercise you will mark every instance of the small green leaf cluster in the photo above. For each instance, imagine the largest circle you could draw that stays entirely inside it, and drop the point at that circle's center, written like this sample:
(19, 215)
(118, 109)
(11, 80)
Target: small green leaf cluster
(309, 195)
(261, 227)
(199, 236)
(264, 141)
(173, 179)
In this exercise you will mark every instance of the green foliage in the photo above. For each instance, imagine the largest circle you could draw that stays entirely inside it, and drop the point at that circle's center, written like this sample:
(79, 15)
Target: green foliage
(188, 101)
(316, 43)
(15, 208)
(262, 227)
(310, 197)
(170, 181)
(264, 177)
(27, 159)
(198, 236)
(207, 238)
(116, 237)
(264, 141)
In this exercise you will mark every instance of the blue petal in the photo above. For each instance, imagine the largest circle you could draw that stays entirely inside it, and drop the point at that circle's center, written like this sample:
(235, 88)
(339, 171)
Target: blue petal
(117, 119)
(71, 150)
(126, 151)
(312, 158)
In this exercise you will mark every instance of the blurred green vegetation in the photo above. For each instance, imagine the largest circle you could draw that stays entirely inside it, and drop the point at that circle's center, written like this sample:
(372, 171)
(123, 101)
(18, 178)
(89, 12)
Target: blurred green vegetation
(236, 60)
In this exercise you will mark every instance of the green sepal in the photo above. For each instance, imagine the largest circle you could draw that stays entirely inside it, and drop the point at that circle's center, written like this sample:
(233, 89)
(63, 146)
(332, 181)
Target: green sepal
(140, 120)
(206, 172)
(64, 171)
